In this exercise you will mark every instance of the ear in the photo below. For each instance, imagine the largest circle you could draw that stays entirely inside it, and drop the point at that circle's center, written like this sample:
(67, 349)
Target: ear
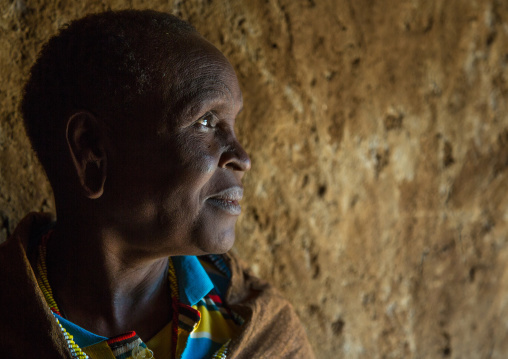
(86, 138)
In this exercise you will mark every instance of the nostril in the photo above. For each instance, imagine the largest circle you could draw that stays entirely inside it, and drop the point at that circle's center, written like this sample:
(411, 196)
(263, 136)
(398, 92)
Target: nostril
(235, 158)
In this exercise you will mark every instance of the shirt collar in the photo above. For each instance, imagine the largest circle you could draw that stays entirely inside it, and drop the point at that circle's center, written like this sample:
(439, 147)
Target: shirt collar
(193, 281)
(81, 336)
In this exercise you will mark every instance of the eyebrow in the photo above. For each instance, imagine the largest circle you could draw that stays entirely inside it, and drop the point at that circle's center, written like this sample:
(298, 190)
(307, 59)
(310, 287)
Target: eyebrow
(203, 99)
(191, 104)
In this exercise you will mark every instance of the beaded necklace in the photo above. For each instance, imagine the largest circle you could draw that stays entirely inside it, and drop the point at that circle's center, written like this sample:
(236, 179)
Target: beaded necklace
(42, 280)
(76, 352)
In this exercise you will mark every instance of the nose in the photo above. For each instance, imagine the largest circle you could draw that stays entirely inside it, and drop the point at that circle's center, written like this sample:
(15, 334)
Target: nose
(235, 158)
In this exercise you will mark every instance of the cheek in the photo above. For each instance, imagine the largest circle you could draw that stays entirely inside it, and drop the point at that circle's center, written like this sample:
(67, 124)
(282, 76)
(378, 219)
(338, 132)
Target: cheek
(199, 154)
(204, 163)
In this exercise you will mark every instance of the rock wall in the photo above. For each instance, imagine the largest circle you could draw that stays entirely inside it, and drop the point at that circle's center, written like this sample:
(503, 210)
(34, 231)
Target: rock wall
(378, 131)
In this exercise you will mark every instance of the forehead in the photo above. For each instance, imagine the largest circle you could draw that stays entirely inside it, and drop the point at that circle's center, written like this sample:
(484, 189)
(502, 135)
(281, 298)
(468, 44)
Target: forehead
(200, 77)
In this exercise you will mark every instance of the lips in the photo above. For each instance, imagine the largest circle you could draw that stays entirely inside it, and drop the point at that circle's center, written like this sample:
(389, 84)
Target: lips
(227, 200)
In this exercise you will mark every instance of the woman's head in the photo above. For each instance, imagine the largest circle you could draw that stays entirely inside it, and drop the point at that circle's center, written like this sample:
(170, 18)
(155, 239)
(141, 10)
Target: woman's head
(132, 115)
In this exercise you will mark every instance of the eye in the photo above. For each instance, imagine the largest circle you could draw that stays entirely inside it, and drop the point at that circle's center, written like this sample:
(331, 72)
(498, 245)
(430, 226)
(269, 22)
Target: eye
(209, 120)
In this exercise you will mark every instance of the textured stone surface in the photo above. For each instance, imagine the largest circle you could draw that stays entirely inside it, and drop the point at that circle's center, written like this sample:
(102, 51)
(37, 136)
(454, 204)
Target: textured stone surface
(378, 132)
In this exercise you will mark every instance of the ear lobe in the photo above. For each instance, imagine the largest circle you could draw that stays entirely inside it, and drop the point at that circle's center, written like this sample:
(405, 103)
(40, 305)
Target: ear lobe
(86, 140)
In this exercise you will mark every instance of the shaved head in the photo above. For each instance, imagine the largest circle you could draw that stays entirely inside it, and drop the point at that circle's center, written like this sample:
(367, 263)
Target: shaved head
(108, 64)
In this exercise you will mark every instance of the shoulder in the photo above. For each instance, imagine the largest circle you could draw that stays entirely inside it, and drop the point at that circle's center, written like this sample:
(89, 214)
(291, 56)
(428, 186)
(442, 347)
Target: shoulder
(272, 328)
(25, 314)
(29, 227)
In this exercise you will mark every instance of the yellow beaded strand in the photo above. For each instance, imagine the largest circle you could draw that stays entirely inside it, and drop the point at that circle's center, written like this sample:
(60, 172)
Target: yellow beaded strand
(42, 280)
(173, 285)
(221, 353)
(173, 282)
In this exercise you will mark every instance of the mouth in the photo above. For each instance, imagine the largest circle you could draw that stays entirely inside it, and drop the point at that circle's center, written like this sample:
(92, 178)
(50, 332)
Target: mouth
(228, 200)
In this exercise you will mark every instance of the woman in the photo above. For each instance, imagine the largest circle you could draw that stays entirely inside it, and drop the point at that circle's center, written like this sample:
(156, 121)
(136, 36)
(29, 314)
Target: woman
(132, 116)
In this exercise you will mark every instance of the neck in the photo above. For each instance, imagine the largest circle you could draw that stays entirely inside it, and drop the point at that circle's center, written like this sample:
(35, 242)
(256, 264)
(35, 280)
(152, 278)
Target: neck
(102, 286)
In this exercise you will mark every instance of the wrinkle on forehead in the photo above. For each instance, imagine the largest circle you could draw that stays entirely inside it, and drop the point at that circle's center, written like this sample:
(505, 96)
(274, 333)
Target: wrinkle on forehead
(200, 75)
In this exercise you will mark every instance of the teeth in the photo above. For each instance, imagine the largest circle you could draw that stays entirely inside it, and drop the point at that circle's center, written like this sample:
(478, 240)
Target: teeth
(231, 207)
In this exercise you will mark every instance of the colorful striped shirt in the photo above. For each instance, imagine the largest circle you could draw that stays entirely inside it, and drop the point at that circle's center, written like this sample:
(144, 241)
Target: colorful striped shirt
(205, 325)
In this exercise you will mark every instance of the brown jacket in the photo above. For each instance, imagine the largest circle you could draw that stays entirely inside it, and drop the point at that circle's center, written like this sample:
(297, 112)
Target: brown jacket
(29, 330)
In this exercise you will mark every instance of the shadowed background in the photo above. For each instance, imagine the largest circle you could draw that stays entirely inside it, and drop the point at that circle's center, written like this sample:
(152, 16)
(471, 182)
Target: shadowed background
(378, 132)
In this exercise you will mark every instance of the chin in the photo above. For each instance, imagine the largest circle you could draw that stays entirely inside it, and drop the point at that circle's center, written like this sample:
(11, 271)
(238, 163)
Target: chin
(217, 243)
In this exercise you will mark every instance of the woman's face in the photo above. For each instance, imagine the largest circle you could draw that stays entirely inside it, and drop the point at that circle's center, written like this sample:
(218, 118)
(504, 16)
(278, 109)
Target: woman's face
(177, 180)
